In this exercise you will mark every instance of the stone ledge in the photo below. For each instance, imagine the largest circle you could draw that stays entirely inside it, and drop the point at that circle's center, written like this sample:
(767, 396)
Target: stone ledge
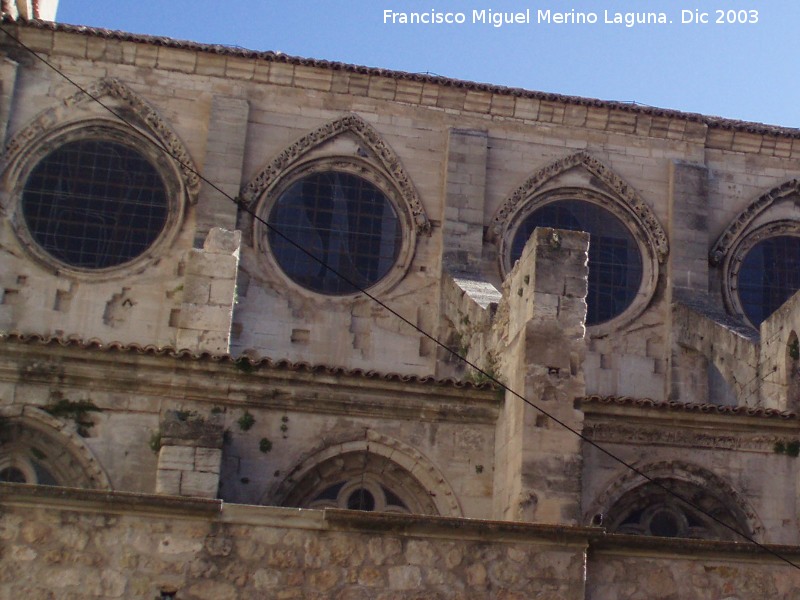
(116, 502)
(636, 545)
(596, 539)
(452, 527)
(74, 499)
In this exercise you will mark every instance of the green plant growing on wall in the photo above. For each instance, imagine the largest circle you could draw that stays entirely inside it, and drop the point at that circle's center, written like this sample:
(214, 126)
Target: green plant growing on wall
(791, 448)
(155, 441)
(489, 372)
(246, 421)
(284, 425)
(794, 349)
(78, 411)
(265, 445)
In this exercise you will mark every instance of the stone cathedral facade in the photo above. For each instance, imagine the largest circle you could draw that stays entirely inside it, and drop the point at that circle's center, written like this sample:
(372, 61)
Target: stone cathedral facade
(194, 406)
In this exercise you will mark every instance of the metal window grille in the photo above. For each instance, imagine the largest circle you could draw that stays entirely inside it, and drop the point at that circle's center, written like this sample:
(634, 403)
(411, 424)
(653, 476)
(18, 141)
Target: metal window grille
(343, 220)
(768, 276)
(615, 262)
(94, 204)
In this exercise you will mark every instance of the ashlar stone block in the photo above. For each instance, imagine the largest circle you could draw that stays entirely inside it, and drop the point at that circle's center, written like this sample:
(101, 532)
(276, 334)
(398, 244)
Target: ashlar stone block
(176, 458)
(199, 485)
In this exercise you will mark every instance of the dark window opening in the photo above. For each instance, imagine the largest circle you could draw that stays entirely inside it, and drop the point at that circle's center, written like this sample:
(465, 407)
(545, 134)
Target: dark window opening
(331, 492)
(344, 221)
(769, 276)
(664, 524)
(43, 476)
(393, 499)
(12, 475)
(361, 499)
(615, 263)
(94, 204)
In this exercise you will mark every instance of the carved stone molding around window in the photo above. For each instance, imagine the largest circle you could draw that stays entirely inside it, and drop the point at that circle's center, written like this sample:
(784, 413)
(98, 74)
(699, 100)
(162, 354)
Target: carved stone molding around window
(631, 494)
(126, 103)
(39, 448)
(777, 273)
(368, 136)
(742, 222)
(657, 237)
(398, 477)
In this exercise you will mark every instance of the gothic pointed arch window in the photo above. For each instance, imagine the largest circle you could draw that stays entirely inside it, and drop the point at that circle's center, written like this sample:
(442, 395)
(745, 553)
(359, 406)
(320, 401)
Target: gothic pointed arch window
(335, 227)
(91, 196)
(758, 254)
(342, 214)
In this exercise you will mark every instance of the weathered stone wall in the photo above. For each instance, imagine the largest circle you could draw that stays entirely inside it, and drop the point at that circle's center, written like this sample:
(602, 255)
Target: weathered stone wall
(442, 427)
(729, 345)
(465, 152)
(733, 456)
(541, 345)
(690, 570)
(75, 546)
(78, 545)
(779, 357)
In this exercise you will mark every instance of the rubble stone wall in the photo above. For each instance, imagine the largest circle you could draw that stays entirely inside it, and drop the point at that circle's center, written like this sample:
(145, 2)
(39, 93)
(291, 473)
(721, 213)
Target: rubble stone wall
(84, 546)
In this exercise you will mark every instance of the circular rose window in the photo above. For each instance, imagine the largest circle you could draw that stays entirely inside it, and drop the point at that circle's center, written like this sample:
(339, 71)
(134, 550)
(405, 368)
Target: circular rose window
(94, 204)
(615, 260)
(768, 276)
(348, 232)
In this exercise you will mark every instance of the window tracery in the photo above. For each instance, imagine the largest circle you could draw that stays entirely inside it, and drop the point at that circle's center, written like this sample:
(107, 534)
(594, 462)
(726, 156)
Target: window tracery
(345, 222)
(621, 289)
(637, 505)
(94, 203)
(361, 481)
(762, 271)
(36, 448)
(365, 493)
(651, 510)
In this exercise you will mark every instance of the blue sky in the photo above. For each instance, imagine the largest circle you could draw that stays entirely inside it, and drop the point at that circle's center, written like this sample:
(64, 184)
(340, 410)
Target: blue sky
(737, 70)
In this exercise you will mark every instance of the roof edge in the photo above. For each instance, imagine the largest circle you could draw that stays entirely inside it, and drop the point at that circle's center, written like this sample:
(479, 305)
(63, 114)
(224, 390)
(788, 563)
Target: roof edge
(279, 57)
(688, 407)
(245, 362)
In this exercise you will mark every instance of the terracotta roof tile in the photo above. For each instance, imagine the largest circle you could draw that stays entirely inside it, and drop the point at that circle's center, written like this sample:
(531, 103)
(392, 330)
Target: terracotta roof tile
(256, 362)
(744, 411)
